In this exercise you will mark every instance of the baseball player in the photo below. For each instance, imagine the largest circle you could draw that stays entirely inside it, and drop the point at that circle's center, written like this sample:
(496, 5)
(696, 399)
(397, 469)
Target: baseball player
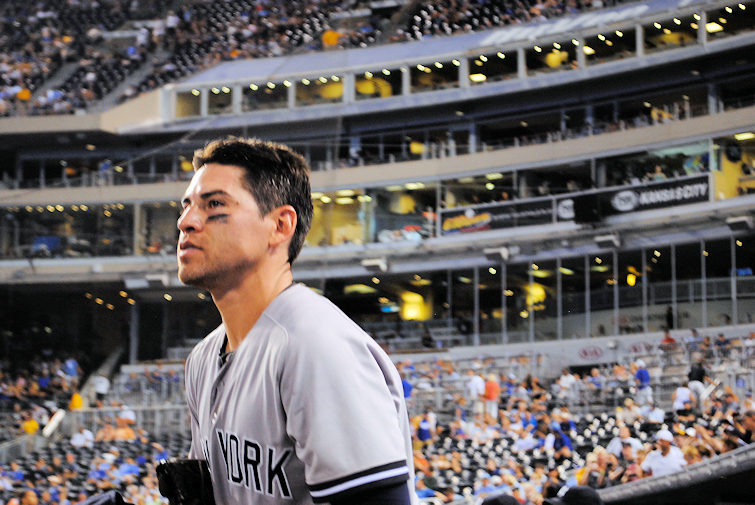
(291, 402)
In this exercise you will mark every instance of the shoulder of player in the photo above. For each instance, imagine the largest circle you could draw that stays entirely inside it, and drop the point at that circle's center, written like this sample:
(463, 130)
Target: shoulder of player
(304, 314)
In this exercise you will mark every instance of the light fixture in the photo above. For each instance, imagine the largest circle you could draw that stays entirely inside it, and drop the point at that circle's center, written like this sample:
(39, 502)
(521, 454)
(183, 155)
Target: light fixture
(375, 264)
(501, 253)
(739, 223)
(607, 241)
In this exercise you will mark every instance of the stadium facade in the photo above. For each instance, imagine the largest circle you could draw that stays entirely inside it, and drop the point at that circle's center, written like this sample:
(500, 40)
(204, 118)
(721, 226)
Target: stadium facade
(583, 177)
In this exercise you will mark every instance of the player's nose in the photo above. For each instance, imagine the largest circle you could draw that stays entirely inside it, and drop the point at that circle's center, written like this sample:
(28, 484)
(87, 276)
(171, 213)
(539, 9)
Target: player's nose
(190, 220)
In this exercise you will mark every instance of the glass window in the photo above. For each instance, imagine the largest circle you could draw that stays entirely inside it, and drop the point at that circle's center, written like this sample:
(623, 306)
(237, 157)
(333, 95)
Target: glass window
(601, 293)
(463, 302)
(491, 314)
(688, 285)
(553, 57)
(610, 46)
(188, 103)
(731, 20)
(319, 90)
(434, 75)
(378, 84)
(492, 67)
(630, 292)
(745, 257)
(404, 212)
(518, 313)
(573, 296)
(718, 266)
(264, 96)
(671, 34)
(542, 301)
(219, 100)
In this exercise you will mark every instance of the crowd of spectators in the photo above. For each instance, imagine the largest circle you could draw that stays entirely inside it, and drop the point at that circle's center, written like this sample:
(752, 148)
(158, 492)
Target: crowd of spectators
(447, 17)
(70, 471)
(520, 436)
(31, 394)
(37, 40)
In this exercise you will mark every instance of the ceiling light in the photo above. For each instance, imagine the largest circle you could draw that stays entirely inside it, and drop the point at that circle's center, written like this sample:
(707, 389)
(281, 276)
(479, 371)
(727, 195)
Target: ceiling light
(478, 77)
(344, 200)
(226, 89)
(305, 82)
(364, 198)
(375, 280)
(575, 42)
(168, 297)
(557, 45)
(677, 21)
(601, 37)
(609, 43)
(271, 85)
(394, 187)
(368, 75)
(131, 301)
(316, 195)
(696, 16)
(619, 33)
(500, 55)
(490, 186)
(254, 87)
(728, 9)
(483, 58)
(566, 271)
(215, 90)
(538, 49)
(421, 68)
(287, 83)
(492, 271)
(386, 71)
(494, 176)
(713, 27)
(59, 208)
(50, 208)
(589, 51)
(745, 136)
(438, 64)
(456, 62)
(325, 199)
(335, 78)
(195, 92)
(414, 185)
(345, 192)
(657, 25)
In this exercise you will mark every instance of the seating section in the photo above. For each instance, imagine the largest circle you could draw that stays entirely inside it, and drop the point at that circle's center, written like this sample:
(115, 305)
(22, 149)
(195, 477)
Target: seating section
(36, 44)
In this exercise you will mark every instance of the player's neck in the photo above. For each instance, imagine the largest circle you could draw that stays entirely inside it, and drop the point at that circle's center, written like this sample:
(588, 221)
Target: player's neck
(241, 307)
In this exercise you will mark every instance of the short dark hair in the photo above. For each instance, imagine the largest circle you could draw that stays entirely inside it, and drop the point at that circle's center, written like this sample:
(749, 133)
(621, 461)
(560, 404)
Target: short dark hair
(274, 174)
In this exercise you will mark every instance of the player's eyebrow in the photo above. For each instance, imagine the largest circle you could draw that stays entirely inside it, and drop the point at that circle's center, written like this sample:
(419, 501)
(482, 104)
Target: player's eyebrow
(206, 196)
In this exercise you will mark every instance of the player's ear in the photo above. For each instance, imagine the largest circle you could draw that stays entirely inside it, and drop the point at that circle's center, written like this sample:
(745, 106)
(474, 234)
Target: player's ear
(285, 219)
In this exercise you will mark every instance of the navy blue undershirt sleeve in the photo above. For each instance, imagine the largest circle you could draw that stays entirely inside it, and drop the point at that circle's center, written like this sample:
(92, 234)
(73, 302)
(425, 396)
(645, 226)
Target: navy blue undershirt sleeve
(397, 494)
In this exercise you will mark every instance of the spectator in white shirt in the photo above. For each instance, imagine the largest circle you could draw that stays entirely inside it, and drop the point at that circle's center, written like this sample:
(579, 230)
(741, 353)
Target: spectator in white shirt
(666, 459)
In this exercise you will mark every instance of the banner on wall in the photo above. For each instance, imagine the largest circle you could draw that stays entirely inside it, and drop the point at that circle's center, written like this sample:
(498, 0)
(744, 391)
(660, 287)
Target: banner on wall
(497, 216)
(593, 206)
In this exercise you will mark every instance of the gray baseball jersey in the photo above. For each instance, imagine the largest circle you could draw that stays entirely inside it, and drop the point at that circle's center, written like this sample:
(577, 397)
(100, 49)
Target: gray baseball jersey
(307, 409)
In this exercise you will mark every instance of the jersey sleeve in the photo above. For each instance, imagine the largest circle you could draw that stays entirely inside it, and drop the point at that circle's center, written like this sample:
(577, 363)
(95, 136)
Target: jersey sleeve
(343, 401)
